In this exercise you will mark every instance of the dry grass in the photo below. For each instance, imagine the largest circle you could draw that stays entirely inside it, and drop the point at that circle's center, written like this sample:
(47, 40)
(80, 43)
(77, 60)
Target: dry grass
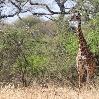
(52, 92)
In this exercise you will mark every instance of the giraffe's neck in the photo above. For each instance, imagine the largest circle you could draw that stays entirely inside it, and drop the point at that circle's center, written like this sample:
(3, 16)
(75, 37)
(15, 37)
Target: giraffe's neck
(82, 42)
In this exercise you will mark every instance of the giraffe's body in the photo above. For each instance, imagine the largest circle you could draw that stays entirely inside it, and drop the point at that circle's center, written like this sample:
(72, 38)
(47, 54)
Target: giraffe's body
(85, 60)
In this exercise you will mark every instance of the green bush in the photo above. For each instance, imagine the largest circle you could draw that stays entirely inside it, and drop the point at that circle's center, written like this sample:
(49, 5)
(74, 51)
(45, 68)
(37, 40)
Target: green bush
(43, 51)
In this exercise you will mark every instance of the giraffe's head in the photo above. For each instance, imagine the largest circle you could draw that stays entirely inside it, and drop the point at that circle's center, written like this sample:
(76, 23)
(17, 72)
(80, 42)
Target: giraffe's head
(75, 20)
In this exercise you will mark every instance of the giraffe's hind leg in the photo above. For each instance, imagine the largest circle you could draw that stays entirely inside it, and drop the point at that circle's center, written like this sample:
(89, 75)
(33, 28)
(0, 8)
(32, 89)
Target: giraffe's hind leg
(79, 81)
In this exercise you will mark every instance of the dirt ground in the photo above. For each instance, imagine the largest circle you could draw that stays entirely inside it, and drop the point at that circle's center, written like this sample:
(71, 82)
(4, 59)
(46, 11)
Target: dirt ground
(52, 92)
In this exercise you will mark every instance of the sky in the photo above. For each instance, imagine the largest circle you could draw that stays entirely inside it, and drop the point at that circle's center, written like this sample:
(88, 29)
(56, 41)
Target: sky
(51, 3)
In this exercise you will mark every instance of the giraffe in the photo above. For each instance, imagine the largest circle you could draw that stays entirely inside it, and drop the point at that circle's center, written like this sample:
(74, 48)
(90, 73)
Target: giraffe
(85, 60)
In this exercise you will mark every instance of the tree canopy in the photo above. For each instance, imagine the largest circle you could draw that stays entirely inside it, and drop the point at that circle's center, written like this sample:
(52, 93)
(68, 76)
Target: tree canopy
(10, 8)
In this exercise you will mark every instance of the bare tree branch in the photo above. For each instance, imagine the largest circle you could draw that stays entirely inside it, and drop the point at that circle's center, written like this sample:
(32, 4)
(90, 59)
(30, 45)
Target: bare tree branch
(5, 16)
(19, 6)
(2, 1)
(16, 5)
(39, 4)
(60, 3)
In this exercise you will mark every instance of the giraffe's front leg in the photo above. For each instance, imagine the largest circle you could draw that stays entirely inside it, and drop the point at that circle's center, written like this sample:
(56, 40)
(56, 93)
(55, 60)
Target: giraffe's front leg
(87, 79)
(79, 81)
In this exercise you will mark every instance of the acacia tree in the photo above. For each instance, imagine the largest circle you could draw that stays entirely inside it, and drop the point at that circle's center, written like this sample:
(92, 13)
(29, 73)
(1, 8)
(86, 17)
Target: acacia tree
(19, 5)
(23, 6)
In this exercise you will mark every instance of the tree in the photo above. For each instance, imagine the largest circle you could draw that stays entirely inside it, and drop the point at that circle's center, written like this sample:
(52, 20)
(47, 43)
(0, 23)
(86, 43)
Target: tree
(19, 5)
(87, 7)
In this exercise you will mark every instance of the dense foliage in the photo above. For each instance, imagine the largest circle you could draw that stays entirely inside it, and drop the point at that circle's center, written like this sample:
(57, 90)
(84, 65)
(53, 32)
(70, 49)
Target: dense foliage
(32, 50)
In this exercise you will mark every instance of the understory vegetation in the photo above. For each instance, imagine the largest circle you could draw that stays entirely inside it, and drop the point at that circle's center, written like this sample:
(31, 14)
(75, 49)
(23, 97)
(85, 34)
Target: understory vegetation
(35, 51)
